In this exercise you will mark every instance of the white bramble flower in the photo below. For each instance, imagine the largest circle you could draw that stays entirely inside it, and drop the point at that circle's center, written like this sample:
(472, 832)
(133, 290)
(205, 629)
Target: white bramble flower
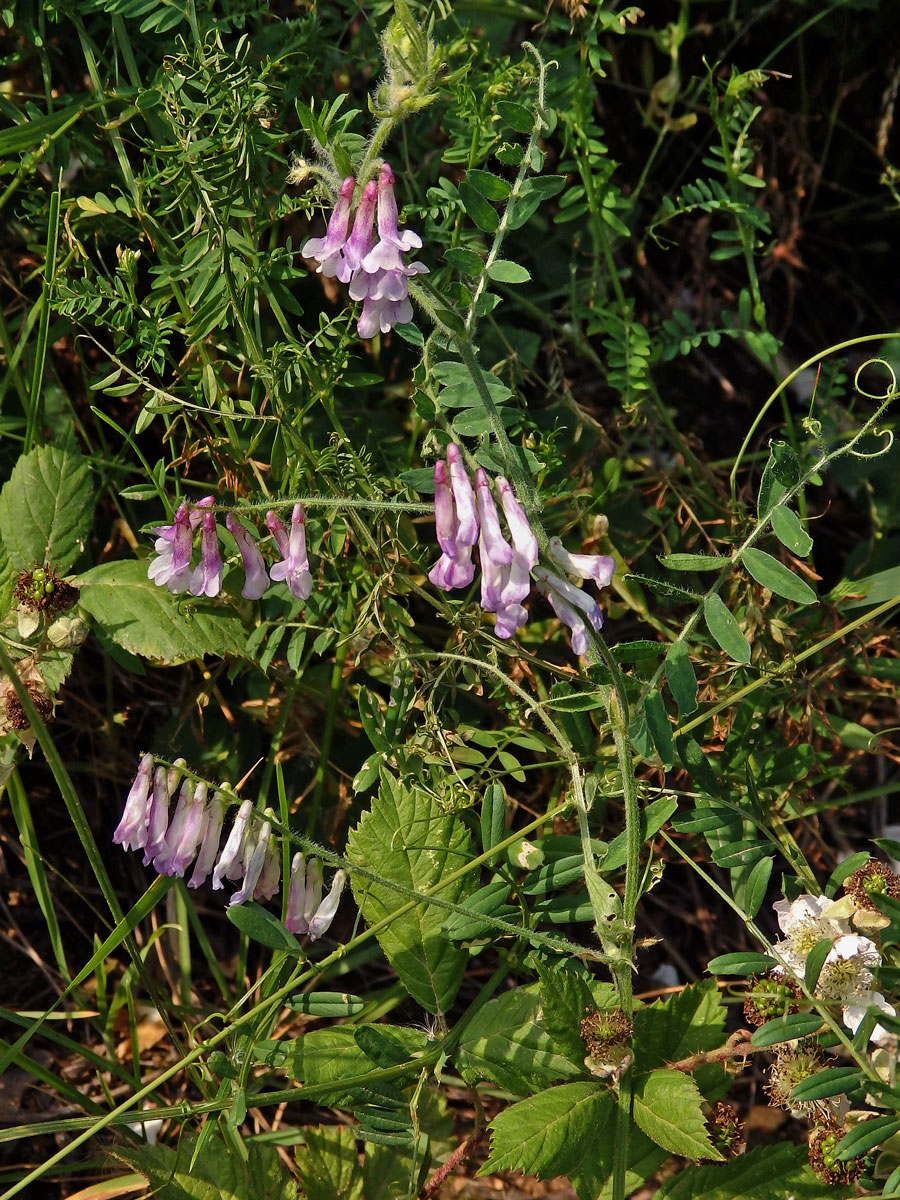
(846, 972)
(805, 922)
(853, 1015)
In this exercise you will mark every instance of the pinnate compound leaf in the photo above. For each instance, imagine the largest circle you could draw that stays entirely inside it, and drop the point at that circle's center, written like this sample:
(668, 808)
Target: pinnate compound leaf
(722, 624)
(410, 841)
(775, 576)
(329, 1166)
(551, 1133)
(150, 622)
(667, 1107)
(47, 507)
(767, 1173)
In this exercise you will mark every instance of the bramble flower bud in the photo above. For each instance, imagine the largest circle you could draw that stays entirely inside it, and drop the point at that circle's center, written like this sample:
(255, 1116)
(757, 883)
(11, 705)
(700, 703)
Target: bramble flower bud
(294, 569)
(131, 832)
(67, 632)
(257, 581)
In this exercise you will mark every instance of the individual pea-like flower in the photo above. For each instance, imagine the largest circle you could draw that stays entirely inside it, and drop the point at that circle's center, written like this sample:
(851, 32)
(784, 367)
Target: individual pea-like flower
(307, 913)
(211, 831)
(854, 1014)
(456, 523)
(254, 864)
(328, 251)
(359, 242)
(385, 254)
(164, 784)
(230, 862)
(172, 566)
(599, 567)
(131, 832)
(294, 567)
(569, 602)
(256, 580)
(206, 579)
(494, 550)
(184, 832)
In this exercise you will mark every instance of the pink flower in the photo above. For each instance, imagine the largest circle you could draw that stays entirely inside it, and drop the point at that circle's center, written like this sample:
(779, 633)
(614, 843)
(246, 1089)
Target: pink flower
(494, 550)
(211, 829)
(131, 832)
(455, 567)
(185, 831)
(231, 859)
(328, 251)
(254, 865)
(566, 602)
(172, 566)
(294, 567)
(599, 567)
(257, 581)
(385, 255)
(206, 580)
(359, 243)
(164, 784)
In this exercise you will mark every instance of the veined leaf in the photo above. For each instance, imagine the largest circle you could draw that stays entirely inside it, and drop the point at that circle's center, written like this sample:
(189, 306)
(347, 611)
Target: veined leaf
(723, 625)
(329, 1166)
(740, 963)
(504, 271)
(47, 508)
(549, 1134)
(681, 679)
(410, 841)
(150, 622)
(787, 528)
(667, 1106)
(775, 576)
(787, 1028)
(767, 1173)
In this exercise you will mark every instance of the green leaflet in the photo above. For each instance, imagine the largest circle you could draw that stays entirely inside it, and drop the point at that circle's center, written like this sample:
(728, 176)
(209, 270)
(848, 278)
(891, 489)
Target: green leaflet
(47, 508)
(551, 1133)
(681, 679)
(723, 626)
(688, 1022)
(787, 528)
(410, 841)
(767, 1173)
(775, 576)
(667, 1108)
(150, 622)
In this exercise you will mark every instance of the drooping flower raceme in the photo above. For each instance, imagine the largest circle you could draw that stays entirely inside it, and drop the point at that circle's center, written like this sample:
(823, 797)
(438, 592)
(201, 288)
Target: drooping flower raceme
(374, 270)
(507, 563)
(251, 854)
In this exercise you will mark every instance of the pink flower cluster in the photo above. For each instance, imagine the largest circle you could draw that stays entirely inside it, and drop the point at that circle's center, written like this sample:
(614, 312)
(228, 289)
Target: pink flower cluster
(374, 269)
(172, 568)
(250, 854)
(464, 516)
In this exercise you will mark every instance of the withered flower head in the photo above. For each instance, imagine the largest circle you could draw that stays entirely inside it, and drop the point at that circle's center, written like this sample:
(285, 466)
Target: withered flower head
(874, 879)
(823, 1142)
(725, 1129)
(15, 713)
(793, 1063)
(42, 590)
(605, 1031)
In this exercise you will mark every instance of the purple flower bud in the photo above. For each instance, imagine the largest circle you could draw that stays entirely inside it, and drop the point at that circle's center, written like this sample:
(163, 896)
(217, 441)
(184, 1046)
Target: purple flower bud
(359, 243)
(328, 251)
(254, 866)
(184, 832)
(293, 920)
(270, 877)
(206, 580)
(131, 832)
(231, 859)
(294, 569)
(172, 566)
(257, 581)
(326, 911)
(211, 830)
(599, 567)
(463, 498)
(510, 619)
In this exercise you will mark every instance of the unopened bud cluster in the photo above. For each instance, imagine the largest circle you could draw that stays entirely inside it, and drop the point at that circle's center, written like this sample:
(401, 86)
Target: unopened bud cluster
(251, 853)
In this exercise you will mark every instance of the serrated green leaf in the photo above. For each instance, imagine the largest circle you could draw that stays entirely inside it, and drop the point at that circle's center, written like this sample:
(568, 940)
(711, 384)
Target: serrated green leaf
(565, 998)
(681, 679)
(214, 1174)
(409, 840)
(550, 1133)
(150, 622)
(723, 626)
(507, 1043)
(47, 508)
(779, 1172)
(775, 576)
(504, 271)
(689, 1022)
(787, 528)
(329, 1166)
(667, 1106)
